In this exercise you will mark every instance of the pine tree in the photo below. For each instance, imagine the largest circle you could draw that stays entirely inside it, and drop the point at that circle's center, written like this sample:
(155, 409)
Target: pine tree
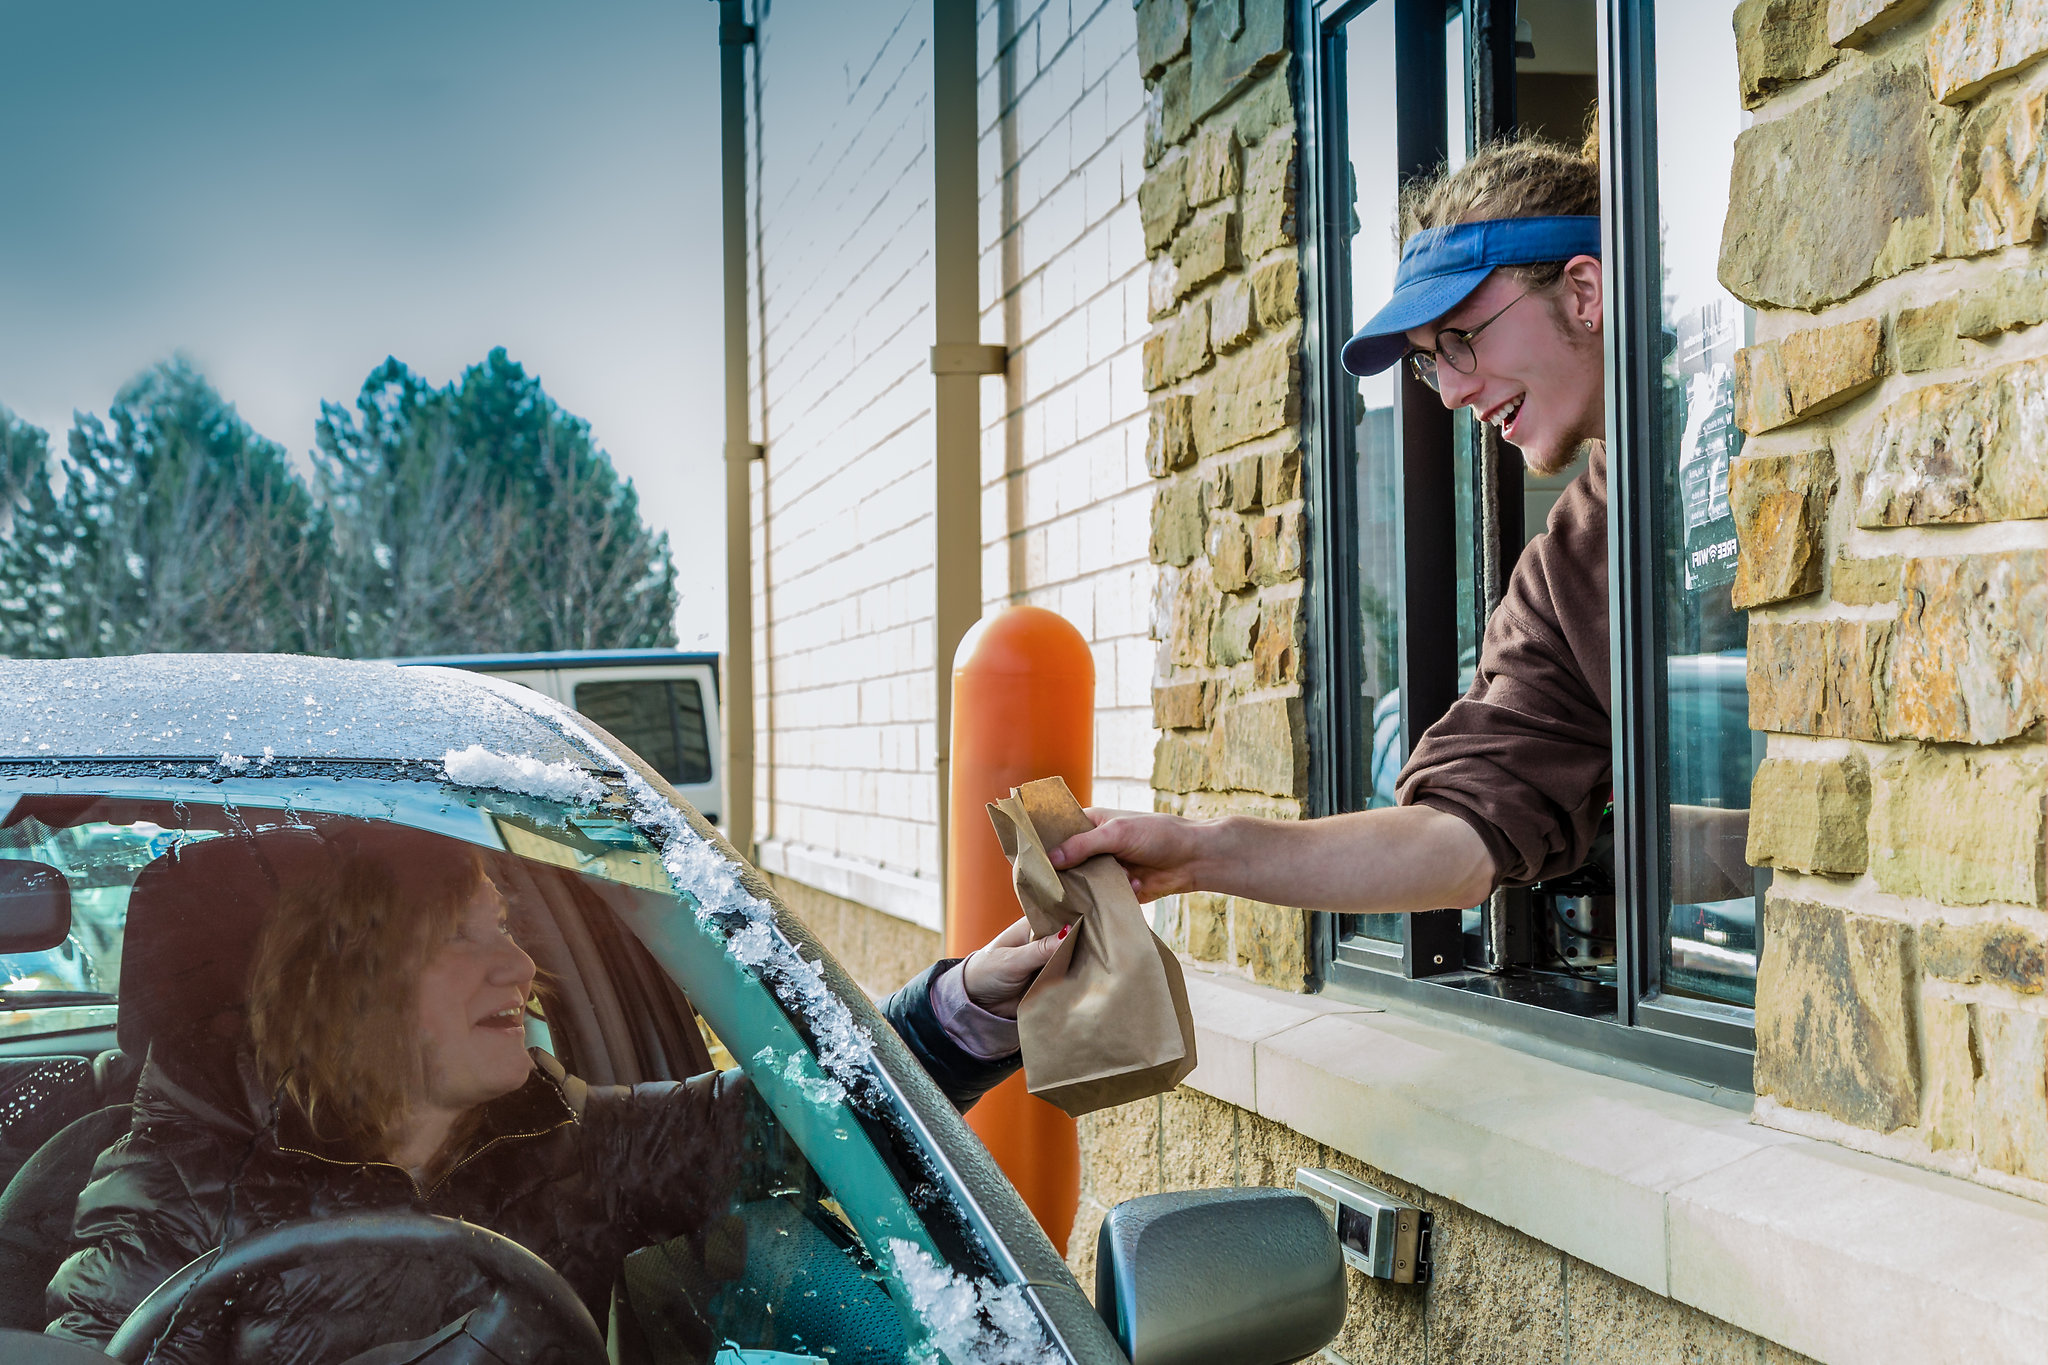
(178, 529)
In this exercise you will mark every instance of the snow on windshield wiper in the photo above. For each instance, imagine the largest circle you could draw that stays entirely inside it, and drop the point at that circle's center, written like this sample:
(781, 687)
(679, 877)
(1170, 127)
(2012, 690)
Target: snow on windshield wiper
(29, 1000)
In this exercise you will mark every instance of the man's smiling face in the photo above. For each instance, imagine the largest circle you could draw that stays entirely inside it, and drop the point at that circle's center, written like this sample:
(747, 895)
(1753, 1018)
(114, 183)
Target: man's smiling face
(1538, 370)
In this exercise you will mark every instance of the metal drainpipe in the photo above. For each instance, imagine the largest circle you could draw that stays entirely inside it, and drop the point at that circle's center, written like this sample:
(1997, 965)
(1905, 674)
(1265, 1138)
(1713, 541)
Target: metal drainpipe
(735, 35)
(958, 362)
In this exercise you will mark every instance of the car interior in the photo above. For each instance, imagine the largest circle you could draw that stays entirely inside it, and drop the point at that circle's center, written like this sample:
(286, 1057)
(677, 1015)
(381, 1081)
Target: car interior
(187, 934)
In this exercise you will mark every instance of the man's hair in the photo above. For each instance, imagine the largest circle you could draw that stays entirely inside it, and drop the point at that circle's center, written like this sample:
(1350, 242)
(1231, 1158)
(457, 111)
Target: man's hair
(333, 994)
(1520, 177)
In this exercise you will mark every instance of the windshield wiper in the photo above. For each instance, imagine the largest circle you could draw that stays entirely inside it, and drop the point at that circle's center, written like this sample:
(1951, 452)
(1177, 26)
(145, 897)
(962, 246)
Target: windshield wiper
(29, 1000)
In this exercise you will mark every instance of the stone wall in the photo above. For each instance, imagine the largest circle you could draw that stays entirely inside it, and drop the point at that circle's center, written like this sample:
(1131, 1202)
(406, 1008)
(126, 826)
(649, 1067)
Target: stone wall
(1496, 1295)
(1887, 217)
(1223, 367)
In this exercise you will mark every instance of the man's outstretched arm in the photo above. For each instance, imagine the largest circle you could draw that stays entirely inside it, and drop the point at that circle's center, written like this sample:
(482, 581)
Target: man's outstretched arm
(1388, 861)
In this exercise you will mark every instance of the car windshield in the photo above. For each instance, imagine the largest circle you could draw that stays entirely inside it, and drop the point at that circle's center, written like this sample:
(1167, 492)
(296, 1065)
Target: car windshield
(358, 995)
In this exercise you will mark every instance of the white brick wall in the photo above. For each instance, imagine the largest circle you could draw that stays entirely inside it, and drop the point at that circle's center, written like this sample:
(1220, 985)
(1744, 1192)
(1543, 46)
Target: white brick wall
(1066, 501)
(843, 540)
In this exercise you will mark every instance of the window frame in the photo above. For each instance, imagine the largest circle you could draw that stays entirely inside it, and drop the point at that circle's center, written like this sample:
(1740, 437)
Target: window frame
(1692, 1039)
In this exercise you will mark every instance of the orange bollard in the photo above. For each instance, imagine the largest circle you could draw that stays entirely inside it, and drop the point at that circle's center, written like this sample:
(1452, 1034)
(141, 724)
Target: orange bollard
(1023, 708)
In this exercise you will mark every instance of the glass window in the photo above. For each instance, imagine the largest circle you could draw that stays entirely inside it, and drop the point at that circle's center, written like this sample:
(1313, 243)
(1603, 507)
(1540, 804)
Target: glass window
(661, 719)
(284, 958)
(1708, 942)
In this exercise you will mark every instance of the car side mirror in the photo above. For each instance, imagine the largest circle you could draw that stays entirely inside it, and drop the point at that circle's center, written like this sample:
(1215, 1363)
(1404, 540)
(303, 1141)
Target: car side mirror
(1219, 1277)
(35, 906)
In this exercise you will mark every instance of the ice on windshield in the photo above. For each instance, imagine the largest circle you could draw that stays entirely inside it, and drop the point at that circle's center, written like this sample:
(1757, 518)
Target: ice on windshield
(477, 766)
(972, 1322)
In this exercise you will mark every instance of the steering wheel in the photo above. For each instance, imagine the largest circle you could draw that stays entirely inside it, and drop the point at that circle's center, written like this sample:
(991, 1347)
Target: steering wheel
(535, 1316)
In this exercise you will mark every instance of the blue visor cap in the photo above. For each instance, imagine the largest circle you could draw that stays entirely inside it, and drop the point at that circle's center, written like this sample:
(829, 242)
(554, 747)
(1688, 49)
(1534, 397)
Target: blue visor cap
(1440, 267)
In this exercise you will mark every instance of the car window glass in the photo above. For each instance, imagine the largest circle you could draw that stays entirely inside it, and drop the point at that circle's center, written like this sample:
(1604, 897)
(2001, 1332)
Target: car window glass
(662, 720)
(786, 1216)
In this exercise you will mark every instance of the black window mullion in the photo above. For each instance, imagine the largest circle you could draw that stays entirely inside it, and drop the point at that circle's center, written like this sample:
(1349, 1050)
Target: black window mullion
(1635, 492)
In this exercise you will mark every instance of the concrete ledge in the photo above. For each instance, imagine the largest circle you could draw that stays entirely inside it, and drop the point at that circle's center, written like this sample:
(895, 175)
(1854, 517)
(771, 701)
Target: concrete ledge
(1848, 1258)
(907, 897)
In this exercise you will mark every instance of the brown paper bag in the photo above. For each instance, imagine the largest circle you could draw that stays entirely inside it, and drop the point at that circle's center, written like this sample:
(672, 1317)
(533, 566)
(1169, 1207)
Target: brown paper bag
(1107, 1020)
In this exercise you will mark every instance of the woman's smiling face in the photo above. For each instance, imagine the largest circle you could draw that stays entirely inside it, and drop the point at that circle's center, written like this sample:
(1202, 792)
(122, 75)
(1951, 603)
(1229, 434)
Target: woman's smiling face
(1538, 372)
(472, 1008)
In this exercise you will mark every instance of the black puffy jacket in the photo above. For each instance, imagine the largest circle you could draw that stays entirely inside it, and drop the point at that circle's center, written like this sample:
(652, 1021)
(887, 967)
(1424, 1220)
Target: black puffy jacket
(580, 1175)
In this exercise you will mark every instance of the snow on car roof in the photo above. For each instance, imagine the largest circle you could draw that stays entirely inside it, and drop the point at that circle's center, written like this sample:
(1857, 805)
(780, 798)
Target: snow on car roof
(228, 706)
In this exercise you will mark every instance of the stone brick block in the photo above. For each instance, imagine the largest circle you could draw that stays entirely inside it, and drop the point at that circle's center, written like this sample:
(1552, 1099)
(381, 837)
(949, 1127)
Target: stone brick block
(1258, 391)
(1230, 314)
(1807, 373)
(1852, 23)
(1276, 547)
(1969, 659)
(1230, 42)
(1780, 504)
(1206, 248)
(1276, 656)
(1183, 706)
(1191, 620)
(1270, 942)
(1277, 287)
(1180, 763)
(2009, 1048)
(1178, 522)
(1834, 1015)
(1167, 119)
(1260, 746)
(1269, 1153)
(1162, 287)
(1925, 338)
(1959, 827)
(1495, 1294)
(1212, 166)
(1819, 677)
(1269, 195)
(1975, 42)
(1245, 483)
(1230, 552)
(1843, 190)
(1280, 477)
(2001, 162)
(1195, 1130)
(1866, 582)
(1968, 451)
(1170, 435)
(1162, 34)
(2001, 952)
(1208, 916)
(1778, 42)
(1948, 1100)
(2019, 298)
(1237, 631)
(1810, 815)
(1163, 201)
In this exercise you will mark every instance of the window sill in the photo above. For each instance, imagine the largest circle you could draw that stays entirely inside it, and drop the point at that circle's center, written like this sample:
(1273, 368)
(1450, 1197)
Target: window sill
(1841, 1256)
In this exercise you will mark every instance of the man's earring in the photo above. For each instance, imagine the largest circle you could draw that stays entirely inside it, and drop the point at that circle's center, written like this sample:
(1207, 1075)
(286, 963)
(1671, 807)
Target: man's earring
(1589, 324)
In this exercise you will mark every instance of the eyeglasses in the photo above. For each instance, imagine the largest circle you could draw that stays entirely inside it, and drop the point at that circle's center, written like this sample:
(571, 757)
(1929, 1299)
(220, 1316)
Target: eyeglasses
(1454, 347)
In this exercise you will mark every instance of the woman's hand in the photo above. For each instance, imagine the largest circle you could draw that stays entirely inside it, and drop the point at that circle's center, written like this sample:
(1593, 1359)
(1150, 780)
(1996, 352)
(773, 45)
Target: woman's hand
(1162, 854)
(996, 976)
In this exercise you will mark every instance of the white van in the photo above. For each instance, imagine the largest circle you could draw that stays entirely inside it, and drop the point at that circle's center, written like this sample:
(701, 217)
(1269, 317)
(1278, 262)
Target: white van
(660, 703)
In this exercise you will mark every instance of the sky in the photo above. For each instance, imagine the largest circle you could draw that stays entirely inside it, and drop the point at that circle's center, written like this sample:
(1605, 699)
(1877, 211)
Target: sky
(288, 192)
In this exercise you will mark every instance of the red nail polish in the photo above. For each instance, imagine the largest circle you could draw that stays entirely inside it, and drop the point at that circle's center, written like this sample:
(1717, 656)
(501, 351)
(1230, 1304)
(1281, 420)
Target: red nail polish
(1063, 930)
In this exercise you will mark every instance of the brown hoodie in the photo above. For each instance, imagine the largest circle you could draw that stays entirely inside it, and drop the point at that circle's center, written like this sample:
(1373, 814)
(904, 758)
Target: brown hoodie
(1526, 757)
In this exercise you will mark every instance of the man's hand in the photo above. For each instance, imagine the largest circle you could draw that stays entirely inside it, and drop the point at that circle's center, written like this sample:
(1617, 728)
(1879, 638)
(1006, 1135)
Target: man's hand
(1161, 854)
(996, 976)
